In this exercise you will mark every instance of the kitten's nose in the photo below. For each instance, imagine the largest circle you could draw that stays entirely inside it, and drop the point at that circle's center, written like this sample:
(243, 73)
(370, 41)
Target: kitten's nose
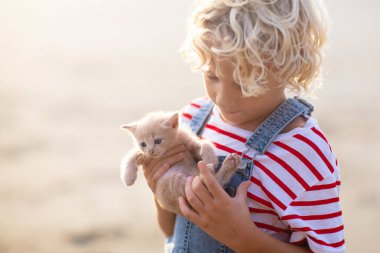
(151, 152)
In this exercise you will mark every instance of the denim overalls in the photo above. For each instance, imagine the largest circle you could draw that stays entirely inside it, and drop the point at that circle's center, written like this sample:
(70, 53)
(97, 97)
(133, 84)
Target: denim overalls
(188, 237)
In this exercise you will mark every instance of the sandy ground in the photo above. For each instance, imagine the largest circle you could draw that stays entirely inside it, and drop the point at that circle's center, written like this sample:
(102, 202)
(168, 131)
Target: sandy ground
(72, 71)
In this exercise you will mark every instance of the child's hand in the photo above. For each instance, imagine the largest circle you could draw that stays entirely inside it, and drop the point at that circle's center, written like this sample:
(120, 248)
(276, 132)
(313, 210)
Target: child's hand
(213, 210)
(155, 168)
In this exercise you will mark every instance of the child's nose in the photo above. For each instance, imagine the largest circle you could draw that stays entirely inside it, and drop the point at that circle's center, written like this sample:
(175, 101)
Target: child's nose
(225, 97)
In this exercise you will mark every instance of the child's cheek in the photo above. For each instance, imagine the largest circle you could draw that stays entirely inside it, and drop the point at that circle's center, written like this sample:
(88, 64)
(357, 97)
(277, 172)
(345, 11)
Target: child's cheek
(211, 91)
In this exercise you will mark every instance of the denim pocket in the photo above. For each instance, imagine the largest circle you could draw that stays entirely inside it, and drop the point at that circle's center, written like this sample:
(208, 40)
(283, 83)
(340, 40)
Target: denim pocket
(243, 173)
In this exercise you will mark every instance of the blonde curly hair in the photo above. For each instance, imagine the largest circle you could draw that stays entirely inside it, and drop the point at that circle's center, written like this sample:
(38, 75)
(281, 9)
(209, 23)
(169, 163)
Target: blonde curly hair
(263, 38)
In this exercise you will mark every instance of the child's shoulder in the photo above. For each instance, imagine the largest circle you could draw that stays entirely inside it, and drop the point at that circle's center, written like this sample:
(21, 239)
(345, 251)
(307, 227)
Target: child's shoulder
(296, 123)
(299, 168)
(303, 153)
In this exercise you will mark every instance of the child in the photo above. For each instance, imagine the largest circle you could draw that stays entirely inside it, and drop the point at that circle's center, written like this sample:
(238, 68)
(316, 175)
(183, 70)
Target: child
(285, 196)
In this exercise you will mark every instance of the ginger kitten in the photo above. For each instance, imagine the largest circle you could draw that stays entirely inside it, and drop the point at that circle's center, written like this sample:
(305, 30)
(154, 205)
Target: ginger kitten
(158, 132)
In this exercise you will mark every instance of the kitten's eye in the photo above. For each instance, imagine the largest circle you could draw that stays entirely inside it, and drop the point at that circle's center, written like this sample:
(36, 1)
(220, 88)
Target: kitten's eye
(143, 144)
(158, 141)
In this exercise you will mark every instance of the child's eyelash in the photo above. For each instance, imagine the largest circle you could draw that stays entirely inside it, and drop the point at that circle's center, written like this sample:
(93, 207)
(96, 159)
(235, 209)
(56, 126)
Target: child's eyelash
(210, 76)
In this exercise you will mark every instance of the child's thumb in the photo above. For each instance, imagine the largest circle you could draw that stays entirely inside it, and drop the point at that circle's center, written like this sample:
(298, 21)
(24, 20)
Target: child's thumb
(242, 189)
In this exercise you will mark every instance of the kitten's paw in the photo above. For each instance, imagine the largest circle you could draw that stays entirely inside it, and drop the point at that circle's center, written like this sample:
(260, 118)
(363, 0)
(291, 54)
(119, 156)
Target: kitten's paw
(211, 167)
(231, 162)
(129, 176)
(210, 159)
(130, 180)
(229, 166)
(208, 155)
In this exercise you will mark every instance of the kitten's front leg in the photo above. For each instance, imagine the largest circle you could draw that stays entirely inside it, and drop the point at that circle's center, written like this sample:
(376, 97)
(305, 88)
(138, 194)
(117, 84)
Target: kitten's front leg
(229, 166)
(203, 150)
(128, 167)
(207, 153)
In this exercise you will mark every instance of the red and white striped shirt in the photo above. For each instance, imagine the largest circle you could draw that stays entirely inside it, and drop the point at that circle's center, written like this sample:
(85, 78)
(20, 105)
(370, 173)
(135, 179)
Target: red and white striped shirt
(295, 192)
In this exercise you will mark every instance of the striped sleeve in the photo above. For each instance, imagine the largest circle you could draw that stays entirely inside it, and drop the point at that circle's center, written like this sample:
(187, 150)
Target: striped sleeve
(316, 216)
(299, 177)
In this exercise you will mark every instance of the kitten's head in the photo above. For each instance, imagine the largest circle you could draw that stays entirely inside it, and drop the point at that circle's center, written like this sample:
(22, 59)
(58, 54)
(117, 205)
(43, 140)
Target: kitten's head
(155, 133)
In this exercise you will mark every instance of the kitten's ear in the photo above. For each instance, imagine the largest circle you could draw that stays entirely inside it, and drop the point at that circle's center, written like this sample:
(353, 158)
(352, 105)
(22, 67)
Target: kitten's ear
(173, 121)
(130, 127)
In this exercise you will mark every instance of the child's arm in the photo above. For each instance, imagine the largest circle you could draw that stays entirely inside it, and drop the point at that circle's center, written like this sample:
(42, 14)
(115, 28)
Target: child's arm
(231, 224)
(166, 220)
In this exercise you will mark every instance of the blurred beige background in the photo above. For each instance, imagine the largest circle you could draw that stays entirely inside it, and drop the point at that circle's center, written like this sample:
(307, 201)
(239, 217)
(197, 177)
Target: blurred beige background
(72, 71)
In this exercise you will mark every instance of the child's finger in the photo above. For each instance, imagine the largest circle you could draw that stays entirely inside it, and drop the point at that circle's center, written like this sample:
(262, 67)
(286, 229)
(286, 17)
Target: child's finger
(241, 191)
(187, 211)
(176, 149)
(212, 185)
(157, 174)
(169, 161)
(172, 156)
(191, 197)
(201, 190)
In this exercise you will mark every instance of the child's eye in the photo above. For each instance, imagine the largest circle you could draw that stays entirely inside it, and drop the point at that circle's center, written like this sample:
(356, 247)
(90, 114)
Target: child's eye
(157, 141)
(143, 144)
(211, 77)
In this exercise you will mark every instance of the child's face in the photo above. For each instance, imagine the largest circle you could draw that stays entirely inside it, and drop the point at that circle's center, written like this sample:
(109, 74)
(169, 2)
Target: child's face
(235, 109)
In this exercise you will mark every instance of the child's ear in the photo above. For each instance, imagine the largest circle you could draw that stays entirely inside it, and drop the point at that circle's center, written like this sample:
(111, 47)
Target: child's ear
(130, 127)
(173, 121)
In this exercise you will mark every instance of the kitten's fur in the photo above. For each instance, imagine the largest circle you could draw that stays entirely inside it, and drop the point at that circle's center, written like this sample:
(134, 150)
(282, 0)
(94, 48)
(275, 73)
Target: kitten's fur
(156, 133)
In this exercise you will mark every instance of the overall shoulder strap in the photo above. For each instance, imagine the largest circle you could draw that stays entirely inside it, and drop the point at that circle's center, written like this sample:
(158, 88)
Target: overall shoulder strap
(201, 117)
(277, 121)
